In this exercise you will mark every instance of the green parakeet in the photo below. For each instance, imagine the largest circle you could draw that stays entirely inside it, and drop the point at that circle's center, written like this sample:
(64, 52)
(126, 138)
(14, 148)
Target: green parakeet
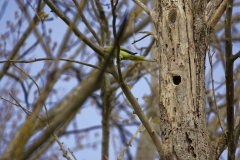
(126, 54)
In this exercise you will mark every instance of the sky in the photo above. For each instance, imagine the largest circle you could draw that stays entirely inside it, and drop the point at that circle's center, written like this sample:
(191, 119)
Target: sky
(93, 138)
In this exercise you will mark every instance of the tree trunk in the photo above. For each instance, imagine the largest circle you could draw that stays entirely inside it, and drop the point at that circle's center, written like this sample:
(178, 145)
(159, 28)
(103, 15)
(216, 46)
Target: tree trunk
(182, 37)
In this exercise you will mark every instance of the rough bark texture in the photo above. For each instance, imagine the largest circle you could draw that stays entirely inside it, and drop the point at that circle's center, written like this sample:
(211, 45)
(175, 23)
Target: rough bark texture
(182, 41)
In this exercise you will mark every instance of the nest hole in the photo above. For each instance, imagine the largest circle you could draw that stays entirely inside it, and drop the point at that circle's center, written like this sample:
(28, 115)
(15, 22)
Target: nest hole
(176, 80)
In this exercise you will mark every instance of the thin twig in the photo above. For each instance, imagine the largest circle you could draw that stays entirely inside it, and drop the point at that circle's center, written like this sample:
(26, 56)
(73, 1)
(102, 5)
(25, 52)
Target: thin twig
(235, 56)
(51, 59)
(28, 112)
(104, 27)
(28, 50)
(17, 47)
(138, 110)
(139, 129)
(149, 84)
(145, 8)
(34, 11)
(28, 76)
(140, 38)
(8, 101)
(45, 107)
(72, 153)
(147, 34)
(75, 29)
(80, 7)
(114, 6)
(213, 90)
(62, 147)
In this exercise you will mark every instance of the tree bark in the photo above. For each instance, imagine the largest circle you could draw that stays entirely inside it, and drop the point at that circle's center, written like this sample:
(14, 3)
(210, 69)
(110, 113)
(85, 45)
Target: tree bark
(182, 37)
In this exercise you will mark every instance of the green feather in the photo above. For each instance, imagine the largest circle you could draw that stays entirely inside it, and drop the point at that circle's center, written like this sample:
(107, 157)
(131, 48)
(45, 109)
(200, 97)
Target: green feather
(125, 54)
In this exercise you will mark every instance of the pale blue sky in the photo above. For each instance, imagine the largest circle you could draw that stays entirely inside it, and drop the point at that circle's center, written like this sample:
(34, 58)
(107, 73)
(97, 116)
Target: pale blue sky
(139, 90)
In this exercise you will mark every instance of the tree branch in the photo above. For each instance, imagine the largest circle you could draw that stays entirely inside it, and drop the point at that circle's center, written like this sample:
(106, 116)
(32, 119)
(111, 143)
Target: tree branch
(139, 129)
(80, 7)
(17, 46)
(145, 8)
(97, 49)
(51, 59)
(229, 81)
(236, 56)
(106, 97)
(138, 110)
(213, 90)
(87, 86)
(212, 19)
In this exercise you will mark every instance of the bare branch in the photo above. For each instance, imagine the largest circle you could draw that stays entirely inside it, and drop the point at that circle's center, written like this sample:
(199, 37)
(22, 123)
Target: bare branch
(145, 8)
(103, 20)
(213, 90)
(117, 37)
(138, 110)
(35, 84)
(236, 56)
(229, 81)
(147, 34)
(28, 76)
(72, 153)
(36, 31)
(79, 7)
(139, 129)
(62, 147)
(128, 32)
(218, 12)
(28, 112)
(34, 11)
(51, 59)
(140, 38)
(8, 100)
(74, 28)
(220, 145)
(17, 47)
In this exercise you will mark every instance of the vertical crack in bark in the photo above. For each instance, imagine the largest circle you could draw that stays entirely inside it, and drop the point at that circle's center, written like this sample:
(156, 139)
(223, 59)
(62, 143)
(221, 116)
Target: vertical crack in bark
(190, 147)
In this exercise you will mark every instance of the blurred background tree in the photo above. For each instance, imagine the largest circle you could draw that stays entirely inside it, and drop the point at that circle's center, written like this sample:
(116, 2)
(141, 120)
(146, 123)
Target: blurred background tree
(53, 87)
